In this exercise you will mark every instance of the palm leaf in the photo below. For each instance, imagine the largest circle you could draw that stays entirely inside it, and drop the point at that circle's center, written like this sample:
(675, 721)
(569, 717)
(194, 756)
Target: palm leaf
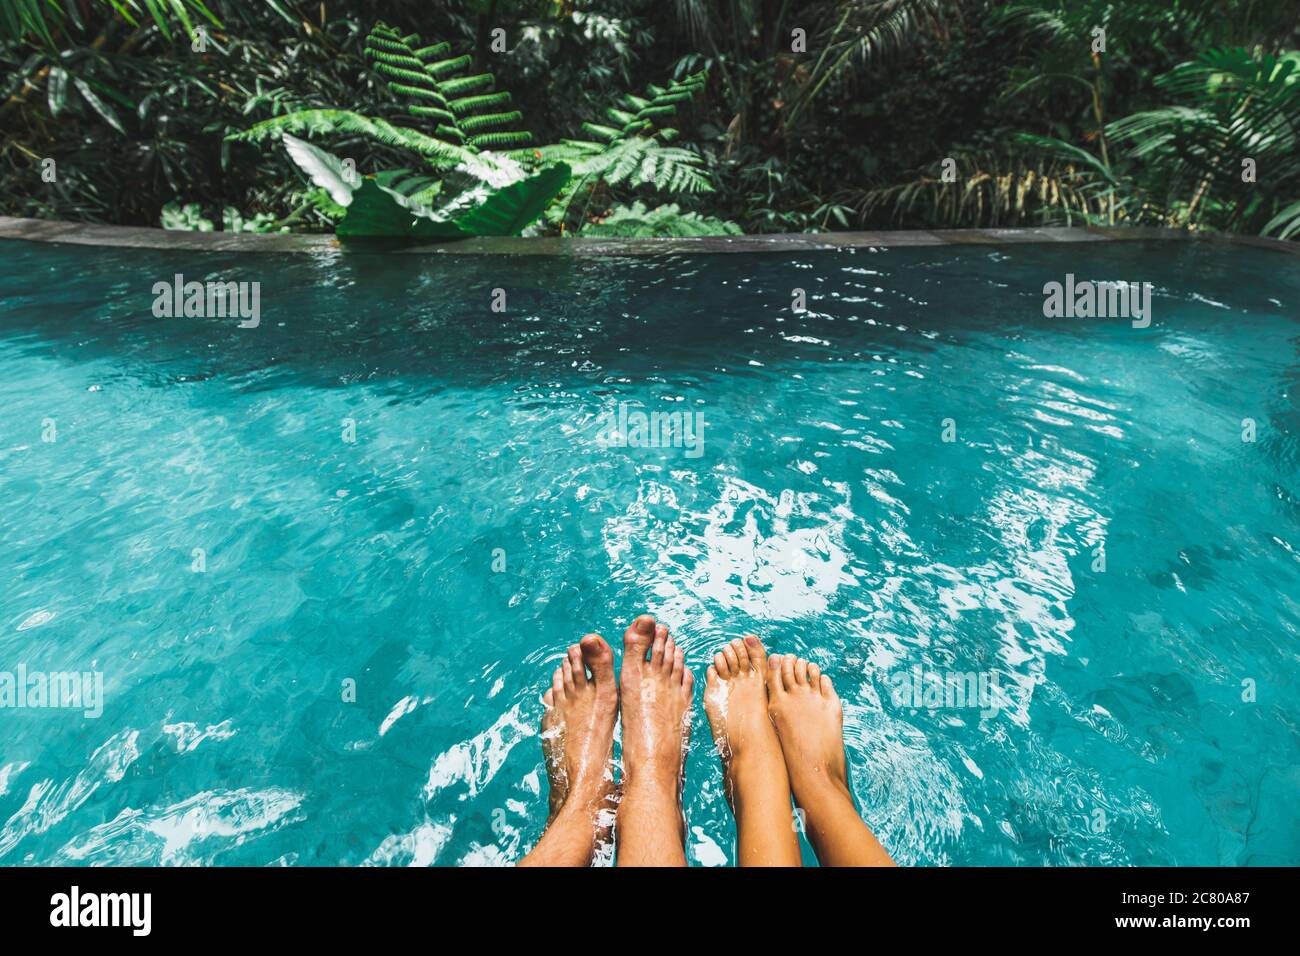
(1286, 223)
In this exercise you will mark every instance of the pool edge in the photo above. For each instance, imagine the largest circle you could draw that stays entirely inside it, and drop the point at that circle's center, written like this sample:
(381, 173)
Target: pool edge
(139, 237)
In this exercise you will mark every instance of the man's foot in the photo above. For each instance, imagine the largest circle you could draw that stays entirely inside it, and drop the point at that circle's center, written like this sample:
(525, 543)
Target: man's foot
(657, 692)
(809, 721)
(735, 700)
(656, 704)
(577, 741)
(578, 725)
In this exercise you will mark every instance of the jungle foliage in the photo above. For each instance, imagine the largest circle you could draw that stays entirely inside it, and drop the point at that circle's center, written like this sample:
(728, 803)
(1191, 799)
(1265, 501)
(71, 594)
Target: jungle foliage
(650, 117)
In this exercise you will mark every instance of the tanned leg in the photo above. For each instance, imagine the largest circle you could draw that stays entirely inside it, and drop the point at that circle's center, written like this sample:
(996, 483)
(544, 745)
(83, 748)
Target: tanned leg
(577, 740)
(656, 705)
(809, 721)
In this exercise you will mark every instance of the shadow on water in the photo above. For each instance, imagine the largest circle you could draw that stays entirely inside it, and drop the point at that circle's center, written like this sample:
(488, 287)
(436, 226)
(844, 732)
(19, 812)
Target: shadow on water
(410, 326)
(341, 318)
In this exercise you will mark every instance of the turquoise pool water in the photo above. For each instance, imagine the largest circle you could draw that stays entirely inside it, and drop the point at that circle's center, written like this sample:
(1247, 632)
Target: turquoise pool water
(1096, 545)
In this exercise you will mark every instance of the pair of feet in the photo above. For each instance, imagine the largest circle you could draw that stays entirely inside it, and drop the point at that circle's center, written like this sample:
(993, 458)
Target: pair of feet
(777, 723)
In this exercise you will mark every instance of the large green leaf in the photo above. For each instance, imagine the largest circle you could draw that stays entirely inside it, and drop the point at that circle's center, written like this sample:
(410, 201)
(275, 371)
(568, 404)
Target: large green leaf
(505, 212)
(378, 212)
(323, 168)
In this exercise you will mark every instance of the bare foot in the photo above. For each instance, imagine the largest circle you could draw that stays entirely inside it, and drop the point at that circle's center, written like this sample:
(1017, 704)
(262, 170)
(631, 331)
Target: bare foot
(735, 700)
(577, 741)
(657, 690)
(809, 721)
(656, 704)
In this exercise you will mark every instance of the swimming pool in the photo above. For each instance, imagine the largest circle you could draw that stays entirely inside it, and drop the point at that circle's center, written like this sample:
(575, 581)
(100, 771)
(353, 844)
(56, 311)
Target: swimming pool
(325, 564)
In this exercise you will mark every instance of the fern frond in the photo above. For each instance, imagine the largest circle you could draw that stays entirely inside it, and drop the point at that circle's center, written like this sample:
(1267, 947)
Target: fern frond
(638, 222)
(637, 114)
(325, 122)
(467, 84)
(639, 161)
(427, 53)
(500, 140)
(465, 109)
(468, 104)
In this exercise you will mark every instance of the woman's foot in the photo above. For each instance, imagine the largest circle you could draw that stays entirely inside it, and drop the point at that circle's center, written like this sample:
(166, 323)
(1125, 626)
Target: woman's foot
(809, 721)
(657, 690)
(577, 740)
(735, 700)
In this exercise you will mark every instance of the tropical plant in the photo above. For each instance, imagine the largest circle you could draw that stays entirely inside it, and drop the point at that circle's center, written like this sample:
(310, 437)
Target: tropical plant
(638, 222)
(1226, 154)
(846, 131)
(630, 151)
(466, 107)
(994, 189)
(866, 32)
(484, 182)
(44, 20)
(1195, 163)
(188, 217)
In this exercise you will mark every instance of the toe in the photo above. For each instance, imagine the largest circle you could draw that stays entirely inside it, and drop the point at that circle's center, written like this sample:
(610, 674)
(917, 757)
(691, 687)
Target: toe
(814, 675)
(549, 699)
(828, 689)
(688, 681)
(801, 672)
(566, 670)
(710, 677)
(670, 650)
(657, 650)
(720, 662)
(742, 655)
(577, 667)
(733, 663)
(787, 671)
(679, 663)
(637, 637)
(599, 658)
(557, 685)
(774, 686)
(757, 653)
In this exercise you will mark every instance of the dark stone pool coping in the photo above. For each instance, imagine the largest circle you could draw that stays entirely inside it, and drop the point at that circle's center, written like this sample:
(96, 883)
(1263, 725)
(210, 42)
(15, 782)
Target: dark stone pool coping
(85, 234)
